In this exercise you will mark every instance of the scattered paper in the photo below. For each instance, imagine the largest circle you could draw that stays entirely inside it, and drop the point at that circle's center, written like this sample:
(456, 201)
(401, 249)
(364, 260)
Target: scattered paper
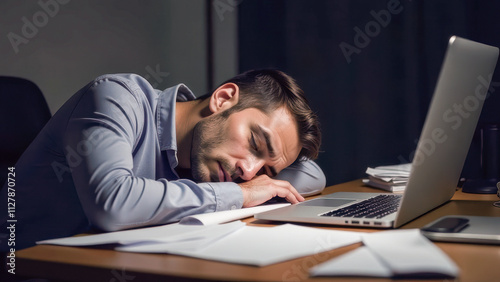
(166, 233)
(200, 238)
(172, 232)
(230, 215)
(258, 246)
(408, 252)
(395, 253)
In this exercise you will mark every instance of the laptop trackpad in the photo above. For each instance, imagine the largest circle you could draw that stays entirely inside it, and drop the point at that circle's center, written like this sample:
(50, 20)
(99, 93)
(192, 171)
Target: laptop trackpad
(327, 202)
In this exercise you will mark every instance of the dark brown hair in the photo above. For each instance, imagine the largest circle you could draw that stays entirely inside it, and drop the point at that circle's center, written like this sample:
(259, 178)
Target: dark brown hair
(268, 90)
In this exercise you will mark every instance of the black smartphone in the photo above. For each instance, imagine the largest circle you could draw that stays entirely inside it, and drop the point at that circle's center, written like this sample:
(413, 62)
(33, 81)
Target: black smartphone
(448, 225)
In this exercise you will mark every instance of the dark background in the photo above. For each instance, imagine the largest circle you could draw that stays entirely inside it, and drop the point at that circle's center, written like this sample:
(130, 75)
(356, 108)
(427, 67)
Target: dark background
(372, 108)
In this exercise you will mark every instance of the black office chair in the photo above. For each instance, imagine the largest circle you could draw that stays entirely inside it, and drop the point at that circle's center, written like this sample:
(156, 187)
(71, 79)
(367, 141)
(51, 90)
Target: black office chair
(23, 113)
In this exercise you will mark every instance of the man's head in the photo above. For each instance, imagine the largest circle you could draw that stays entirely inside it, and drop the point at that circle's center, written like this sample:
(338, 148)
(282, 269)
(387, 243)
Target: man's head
(260, 122)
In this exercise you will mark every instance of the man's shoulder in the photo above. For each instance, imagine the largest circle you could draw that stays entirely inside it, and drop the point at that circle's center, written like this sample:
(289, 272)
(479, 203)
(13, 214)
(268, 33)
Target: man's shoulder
(130, 81)
(116, 85)
(121, 86)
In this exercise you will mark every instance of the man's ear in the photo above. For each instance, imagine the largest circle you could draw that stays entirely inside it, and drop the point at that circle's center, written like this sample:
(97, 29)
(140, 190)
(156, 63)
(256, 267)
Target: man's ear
(224, 97)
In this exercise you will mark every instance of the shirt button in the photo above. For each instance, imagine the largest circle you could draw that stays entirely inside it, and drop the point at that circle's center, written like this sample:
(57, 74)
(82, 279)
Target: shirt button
(233, 207)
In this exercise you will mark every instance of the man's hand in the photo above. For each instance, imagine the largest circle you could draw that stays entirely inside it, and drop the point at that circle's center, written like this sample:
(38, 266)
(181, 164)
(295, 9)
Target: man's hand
(263, 188)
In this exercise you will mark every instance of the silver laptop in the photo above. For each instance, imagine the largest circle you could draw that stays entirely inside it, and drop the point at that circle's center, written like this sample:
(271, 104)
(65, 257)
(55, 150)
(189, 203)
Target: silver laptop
(444, 142)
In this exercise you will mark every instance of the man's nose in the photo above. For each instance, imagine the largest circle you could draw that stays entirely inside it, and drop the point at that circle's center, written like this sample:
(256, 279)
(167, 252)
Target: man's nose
(250, 167)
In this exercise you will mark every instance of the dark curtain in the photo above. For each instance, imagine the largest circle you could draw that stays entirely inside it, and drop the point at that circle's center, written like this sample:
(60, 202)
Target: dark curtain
(369, 69)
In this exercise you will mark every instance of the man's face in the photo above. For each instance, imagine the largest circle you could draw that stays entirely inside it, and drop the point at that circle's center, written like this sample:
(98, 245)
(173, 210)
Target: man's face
(245, 144)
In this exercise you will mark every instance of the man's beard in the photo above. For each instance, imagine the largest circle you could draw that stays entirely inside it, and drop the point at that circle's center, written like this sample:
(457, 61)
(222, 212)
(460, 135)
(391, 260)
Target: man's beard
(208, 134)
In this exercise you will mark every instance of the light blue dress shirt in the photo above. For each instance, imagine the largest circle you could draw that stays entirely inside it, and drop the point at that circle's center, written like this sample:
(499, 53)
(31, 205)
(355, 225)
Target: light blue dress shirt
(107, 159)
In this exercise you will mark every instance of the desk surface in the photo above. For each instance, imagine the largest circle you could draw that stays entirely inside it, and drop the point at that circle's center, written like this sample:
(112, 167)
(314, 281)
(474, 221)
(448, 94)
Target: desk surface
(476, 262)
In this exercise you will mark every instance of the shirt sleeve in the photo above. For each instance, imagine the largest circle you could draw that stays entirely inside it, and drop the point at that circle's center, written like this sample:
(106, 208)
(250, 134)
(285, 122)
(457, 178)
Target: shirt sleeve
(306, 176)
(112, 196)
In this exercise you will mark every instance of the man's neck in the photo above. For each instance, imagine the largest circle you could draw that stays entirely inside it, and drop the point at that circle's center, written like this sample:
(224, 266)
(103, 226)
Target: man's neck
(187, 115)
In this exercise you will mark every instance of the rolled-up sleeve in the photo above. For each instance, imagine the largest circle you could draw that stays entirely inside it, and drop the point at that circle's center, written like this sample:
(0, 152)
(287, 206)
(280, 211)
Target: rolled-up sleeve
(102, 137)
(228, 195)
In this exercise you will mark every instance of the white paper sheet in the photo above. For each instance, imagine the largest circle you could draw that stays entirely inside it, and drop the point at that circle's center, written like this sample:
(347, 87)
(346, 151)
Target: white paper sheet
(259, 246)
(230, 215)
(233, 242)
(166, 233)
(395, 253)
(173, 232)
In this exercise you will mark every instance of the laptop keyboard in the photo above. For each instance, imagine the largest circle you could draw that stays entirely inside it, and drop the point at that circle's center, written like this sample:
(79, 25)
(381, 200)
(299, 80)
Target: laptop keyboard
(376, 207)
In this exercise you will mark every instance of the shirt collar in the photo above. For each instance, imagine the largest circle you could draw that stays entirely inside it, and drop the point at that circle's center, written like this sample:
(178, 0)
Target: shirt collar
(165, 114)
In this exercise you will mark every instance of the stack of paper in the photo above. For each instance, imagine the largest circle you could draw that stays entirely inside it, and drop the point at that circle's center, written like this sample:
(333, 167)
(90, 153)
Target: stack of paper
(391, 178)
(252, 245)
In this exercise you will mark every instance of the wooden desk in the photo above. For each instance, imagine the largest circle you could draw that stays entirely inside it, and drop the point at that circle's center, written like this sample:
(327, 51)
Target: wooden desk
(476, 262)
